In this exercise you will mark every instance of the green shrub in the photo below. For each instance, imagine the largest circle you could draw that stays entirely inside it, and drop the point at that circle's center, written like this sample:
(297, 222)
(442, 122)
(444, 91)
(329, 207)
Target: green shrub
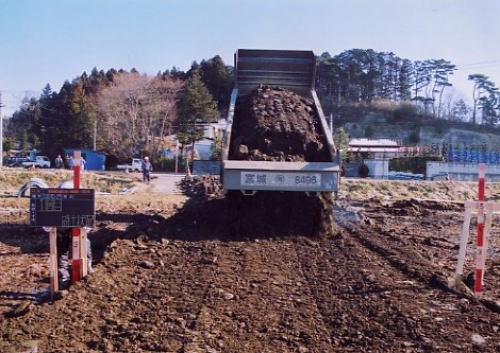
(406, 111)
(369, 131)
(415, 165)
(414, 137)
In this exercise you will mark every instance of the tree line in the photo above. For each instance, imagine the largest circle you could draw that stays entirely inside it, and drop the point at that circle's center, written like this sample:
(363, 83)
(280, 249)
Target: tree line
(363, 76)
(126, 113)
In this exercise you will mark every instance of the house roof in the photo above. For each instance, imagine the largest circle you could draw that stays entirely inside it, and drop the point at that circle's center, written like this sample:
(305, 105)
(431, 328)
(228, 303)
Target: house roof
(375, 143)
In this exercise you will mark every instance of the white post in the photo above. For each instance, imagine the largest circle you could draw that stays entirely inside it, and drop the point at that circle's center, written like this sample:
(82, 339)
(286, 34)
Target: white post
(483, 251)
(176, 156)
(464, 237)
(54, 279)
(83, 251)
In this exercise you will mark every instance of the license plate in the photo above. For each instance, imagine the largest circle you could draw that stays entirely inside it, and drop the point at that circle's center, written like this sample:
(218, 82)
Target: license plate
(273, 179)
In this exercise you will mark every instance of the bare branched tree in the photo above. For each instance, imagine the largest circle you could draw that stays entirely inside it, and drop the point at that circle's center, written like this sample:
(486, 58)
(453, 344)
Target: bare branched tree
(136, 113)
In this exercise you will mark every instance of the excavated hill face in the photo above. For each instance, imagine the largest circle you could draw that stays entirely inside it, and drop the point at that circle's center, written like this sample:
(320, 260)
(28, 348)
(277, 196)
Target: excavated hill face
(274, 124)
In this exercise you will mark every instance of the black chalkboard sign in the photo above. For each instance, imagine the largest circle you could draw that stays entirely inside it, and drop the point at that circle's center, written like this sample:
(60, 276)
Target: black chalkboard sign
(66, 208)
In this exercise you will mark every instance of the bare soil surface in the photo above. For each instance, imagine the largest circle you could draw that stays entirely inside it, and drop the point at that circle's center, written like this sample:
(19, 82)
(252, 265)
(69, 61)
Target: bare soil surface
(161, 183)
(186, 280)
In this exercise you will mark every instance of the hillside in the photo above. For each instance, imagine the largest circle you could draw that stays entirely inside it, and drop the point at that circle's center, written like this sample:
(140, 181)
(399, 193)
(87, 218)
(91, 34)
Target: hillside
(405, 125)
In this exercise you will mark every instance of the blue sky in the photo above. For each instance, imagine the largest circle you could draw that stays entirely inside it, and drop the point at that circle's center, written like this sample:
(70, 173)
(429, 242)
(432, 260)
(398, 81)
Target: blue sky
(54, 40)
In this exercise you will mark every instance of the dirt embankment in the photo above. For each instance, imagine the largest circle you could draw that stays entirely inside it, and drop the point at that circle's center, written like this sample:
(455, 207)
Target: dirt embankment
(274, 124)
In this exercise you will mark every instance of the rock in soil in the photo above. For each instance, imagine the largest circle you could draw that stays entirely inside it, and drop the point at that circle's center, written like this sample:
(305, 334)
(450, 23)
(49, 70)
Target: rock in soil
(202, 186)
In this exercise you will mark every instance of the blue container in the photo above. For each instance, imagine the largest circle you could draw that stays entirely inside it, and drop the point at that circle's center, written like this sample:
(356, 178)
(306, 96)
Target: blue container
(93, 160)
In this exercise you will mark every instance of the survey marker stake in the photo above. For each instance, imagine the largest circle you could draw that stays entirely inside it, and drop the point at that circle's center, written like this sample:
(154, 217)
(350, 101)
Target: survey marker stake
(484, 210)
(76, 262)
(480, 240)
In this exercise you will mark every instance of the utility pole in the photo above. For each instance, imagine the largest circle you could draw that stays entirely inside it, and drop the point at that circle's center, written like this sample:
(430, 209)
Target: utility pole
(95, 134)
(331, 123)
(1, 131)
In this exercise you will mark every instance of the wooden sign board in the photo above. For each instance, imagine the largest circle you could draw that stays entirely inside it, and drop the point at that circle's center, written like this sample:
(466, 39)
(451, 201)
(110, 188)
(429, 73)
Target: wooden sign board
(62, 208)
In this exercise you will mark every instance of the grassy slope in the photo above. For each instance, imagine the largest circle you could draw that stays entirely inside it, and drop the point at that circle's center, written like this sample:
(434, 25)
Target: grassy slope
(356, 189)
(11, 179)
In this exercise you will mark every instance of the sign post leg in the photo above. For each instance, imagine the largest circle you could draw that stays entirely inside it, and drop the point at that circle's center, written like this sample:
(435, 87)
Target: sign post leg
(483, 253)
(464, 237)
(54, 278)
(83, 252)
(75, 255)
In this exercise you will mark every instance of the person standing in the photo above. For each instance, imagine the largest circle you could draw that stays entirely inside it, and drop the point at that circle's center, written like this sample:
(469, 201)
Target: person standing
(59, 162)
(69, 162)
(147, 168)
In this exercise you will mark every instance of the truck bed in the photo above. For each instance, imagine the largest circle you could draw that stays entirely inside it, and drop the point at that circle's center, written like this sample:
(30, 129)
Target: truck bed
(292, 70)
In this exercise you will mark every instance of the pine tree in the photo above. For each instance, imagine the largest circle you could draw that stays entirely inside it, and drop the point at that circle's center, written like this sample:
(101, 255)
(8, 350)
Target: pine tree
(341, 139)
(483, 94)
(218, 79)
(196, 106)
(8, 144)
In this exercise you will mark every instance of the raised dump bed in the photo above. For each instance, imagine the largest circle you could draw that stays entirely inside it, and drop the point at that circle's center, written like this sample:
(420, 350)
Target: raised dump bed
(277, 138)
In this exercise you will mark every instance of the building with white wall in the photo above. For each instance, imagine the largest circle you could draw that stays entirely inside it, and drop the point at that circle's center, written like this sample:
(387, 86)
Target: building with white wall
(460, 171)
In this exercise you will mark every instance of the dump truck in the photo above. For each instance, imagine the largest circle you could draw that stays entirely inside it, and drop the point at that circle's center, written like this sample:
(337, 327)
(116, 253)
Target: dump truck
(290, 70)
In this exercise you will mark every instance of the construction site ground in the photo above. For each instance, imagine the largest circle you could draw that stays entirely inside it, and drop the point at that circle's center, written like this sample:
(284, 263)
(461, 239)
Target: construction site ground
(164, 283)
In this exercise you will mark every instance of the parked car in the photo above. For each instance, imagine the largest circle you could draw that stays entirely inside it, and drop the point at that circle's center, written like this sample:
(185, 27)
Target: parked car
(135, 166)
(15, 161)
(39, 162)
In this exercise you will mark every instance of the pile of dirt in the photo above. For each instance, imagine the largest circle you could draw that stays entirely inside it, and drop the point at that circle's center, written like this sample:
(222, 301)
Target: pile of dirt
(203, 186)
(274, 124)
(413, 207)
(267, 214)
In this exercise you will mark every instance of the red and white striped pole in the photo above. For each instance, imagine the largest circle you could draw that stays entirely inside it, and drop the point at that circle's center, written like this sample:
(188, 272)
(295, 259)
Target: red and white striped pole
(481, 241)
(76, 260)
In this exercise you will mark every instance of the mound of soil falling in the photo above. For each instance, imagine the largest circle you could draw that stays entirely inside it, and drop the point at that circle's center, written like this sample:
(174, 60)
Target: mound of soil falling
(266, 214)
(274, 124)
(203, 186)
(235, 217)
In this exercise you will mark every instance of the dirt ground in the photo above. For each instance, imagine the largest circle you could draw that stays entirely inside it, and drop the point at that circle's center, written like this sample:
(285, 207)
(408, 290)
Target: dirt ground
(175, 275)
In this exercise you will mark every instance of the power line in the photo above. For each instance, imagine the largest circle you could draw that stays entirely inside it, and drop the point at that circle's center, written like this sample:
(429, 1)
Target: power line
(496, 61)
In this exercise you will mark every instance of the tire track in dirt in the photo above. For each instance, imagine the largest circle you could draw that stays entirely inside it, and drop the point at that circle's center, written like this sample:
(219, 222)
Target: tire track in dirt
(143, 297)
(363, 280)
(261, 303)
(345, 289)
